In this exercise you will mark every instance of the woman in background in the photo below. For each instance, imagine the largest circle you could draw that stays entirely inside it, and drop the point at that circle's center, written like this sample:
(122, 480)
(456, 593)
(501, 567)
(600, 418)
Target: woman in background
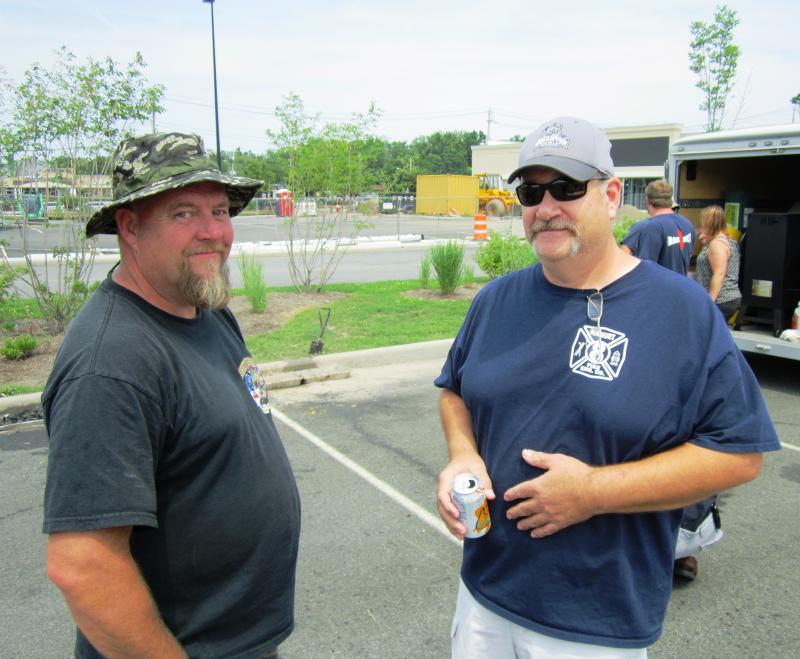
(718, 263)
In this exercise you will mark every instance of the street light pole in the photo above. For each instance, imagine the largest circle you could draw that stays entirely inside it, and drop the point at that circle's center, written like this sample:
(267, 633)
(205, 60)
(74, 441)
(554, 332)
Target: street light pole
(214, 60)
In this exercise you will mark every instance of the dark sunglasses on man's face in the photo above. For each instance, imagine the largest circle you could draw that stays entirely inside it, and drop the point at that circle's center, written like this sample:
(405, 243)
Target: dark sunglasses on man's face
(562, 189)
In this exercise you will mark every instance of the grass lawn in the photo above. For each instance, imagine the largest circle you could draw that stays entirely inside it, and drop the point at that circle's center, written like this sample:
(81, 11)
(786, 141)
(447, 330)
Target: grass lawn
(375, 314)
(372, 315)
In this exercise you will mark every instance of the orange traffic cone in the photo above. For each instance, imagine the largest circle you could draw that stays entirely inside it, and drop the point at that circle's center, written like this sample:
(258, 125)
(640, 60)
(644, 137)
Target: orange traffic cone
(479, 232)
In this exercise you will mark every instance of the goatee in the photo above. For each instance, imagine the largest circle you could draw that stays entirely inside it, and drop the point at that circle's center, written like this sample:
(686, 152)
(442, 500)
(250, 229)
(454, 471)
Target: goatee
(212, 291)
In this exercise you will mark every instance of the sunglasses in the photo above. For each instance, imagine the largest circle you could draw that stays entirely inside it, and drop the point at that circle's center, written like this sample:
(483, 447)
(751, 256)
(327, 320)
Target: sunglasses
(594, 311)
(562, 189)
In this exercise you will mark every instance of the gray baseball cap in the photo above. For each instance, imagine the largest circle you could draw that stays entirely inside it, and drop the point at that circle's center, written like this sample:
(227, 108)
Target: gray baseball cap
(568, 145)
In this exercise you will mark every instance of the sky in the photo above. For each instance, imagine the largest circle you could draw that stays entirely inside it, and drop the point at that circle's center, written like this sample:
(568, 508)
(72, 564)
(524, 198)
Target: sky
(434, 65)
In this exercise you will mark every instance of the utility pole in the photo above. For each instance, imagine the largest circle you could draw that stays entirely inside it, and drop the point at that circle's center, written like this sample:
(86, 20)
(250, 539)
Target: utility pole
(489, 126)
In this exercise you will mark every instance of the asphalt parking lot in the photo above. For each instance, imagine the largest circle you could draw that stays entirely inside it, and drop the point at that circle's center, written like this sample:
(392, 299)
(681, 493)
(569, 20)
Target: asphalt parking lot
(377, 577)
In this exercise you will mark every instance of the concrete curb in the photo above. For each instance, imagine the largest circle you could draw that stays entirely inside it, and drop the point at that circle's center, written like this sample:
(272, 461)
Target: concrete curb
(408, 352)
(282, 374)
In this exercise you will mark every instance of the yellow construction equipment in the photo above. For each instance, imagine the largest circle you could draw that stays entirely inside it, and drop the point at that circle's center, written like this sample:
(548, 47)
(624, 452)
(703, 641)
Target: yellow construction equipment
(492, 198)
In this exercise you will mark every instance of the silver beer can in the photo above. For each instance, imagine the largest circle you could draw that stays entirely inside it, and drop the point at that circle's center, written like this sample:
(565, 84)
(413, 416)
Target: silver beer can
(470, 497)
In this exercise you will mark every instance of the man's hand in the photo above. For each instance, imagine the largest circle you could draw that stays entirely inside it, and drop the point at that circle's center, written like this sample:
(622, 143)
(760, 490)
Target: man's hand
(554, 500)
(448, 511)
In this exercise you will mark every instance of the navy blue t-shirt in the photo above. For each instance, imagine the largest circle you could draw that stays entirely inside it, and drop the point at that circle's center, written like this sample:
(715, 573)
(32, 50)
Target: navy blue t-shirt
(665, 239)
(667, 372)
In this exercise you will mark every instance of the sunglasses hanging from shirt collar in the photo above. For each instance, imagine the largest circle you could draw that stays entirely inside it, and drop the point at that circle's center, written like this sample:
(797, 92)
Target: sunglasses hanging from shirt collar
(594, 311)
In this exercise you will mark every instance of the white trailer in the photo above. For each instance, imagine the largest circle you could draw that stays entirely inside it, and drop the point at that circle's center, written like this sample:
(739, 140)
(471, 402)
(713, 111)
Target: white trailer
(754, 173)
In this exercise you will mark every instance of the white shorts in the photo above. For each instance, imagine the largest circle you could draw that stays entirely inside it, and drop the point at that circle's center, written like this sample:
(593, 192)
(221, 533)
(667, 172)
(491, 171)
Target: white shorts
(691, 542)
(477, 633)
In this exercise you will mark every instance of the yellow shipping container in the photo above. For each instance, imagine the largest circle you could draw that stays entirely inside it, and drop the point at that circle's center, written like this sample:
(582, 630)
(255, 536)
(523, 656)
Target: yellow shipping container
(447, 194)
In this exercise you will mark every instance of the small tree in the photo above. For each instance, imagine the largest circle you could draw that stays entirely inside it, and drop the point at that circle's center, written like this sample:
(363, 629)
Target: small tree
(714, 57)
(78, 111)
(328, 161)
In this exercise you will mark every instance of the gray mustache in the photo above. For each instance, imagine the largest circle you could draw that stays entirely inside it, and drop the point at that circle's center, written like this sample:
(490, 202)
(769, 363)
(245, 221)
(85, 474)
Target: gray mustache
(552, 225)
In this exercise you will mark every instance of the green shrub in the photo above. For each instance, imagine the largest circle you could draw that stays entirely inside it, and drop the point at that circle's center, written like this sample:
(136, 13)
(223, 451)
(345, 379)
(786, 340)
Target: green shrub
(447, 260)
(621, 227)
(7, 277)
(504, 253)
(467, 275)
(425, 271)
(253, 281)
(369, 207)
(20, 347)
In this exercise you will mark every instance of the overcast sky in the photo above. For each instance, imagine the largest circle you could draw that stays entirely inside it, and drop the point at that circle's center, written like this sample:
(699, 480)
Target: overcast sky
(432, 65)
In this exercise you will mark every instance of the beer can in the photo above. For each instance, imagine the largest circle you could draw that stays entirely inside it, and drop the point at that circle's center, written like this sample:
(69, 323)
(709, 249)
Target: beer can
(470, 497)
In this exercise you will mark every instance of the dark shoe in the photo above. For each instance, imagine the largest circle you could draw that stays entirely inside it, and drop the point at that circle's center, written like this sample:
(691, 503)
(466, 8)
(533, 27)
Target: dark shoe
(685, 568)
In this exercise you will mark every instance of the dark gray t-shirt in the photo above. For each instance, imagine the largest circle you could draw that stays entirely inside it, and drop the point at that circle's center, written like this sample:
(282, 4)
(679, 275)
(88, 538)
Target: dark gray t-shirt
(163, 424)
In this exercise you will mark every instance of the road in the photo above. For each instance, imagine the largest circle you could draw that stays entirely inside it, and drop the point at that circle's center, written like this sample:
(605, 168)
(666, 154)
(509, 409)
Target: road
(390, 262)
(377, 577)
(254, 228)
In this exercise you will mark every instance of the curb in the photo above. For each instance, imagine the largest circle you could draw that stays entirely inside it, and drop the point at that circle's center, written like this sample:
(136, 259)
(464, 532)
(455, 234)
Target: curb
(294, 372)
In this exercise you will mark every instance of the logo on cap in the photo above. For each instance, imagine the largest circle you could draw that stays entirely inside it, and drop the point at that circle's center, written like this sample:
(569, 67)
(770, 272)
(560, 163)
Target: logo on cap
(553, 136)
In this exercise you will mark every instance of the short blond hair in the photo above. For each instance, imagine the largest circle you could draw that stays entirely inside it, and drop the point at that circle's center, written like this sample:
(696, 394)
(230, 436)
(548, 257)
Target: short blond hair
(659, 193)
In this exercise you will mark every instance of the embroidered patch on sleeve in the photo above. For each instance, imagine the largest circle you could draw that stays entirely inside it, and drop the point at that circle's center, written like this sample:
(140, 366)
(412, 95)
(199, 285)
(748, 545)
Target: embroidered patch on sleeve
(255, 383)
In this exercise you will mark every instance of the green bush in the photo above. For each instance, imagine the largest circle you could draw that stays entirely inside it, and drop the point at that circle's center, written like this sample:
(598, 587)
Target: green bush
(621, 227)
(253, 281)
(20, 347)
(369, 207)
(447, 260)
(7, 277)
(425, 271)
(467, 275)
(504, 253)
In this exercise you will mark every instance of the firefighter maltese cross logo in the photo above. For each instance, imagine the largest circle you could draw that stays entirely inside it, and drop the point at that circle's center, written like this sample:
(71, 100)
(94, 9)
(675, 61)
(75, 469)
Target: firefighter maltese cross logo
(598, 357)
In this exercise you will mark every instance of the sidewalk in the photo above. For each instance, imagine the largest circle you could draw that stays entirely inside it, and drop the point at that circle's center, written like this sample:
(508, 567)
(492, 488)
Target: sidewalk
(295, 372)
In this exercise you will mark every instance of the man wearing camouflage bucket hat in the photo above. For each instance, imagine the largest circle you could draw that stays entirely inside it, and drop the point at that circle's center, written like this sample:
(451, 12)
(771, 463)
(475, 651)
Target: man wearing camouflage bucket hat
(172, 512)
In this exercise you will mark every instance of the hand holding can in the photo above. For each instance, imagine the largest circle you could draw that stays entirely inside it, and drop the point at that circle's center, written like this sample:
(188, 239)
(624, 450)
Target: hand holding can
(470, 496)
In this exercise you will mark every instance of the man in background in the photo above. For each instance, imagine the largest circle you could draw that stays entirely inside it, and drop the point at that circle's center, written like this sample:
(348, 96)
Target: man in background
(665, 237)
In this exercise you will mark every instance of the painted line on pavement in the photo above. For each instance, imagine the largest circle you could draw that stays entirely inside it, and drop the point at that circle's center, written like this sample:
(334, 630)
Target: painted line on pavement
(418, 511)
(791, 446)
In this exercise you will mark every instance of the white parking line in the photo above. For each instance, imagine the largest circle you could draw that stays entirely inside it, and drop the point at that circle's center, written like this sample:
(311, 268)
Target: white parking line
(418, 511)
(791, 446)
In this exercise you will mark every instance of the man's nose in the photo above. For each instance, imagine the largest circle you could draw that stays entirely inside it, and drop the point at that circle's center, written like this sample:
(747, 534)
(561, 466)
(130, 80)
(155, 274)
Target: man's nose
(548, 208)
(211, 226)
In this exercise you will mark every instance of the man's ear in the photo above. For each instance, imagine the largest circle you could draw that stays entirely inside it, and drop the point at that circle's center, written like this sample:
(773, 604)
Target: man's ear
(127, 224)
(614, 196)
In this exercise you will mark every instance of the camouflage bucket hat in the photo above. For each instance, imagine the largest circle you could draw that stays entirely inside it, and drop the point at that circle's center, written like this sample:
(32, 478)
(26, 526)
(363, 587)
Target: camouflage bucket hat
(148, 165)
